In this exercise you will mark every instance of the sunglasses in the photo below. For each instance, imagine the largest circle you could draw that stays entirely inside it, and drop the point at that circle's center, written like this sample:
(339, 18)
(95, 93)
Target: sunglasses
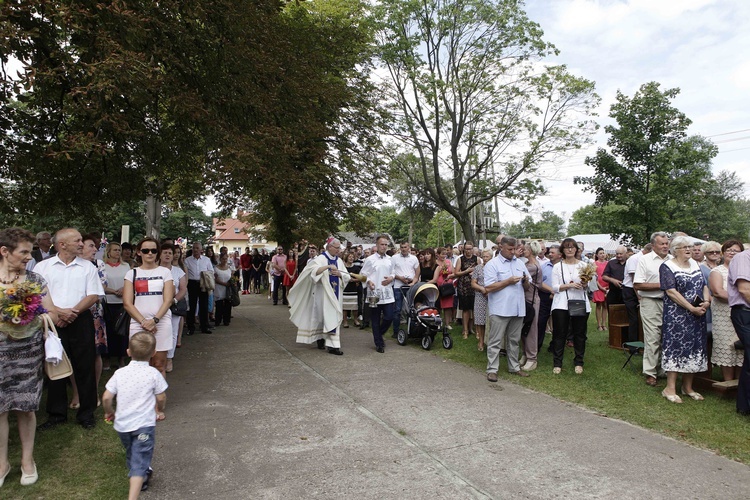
(146, 251)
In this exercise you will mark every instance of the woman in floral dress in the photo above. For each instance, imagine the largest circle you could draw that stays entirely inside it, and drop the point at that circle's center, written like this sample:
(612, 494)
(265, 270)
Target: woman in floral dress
(480, 298)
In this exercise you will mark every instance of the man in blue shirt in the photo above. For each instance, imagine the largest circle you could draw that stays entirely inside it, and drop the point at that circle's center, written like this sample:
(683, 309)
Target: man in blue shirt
(505, 278)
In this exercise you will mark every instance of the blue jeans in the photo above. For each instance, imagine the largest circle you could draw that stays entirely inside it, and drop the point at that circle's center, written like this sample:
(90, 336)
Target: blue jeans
(139, 450)
(398, 295)
(379, 327)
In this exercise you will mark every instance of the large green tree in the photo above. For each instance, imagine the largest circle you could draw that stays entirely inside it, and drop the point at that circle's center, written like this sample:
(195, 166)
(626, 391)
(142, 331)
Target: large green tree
(651, 167)
(550, 226)
(472, 101)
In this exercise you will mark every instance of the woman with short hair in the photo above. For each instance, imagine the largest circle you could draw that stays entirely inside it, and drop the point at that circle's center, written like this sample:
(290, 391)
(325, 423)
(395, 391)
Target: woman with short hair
(723, 352)
(686, 298)
(21, 353)
(480, 297)
(530, 339)
(114, 270)
(167, 259)
(444, 275)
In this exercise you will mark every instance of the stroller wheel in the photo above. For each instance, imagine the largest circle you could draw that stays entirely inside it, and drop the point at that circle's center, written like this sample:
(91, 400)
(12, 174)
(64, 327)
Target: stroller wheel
(401, 337)
(426, 342)
(447, 342)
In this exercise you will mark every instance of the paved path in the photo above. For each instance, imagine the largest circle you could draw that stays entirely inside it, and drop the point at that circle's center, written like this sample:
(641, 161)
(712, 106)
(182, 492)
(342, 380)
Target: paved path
(252, 414)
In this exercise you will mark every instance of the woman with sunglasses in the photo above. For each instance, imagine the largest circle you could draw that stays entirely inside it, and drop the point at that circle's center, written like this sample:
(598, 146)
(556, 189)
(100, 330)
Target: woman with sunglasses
(567, 286)
(147, 296)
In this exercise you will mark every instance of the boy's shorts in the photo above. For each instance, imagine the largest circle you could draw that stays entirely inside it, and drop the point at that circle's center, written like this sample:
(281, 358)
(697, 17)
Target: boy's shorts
(139, 449)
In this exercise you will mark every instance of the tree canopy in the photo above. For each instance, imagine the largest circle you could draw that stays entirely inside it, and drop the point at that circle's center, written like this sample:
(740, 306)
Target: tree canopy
(655, 177)
(470, 100)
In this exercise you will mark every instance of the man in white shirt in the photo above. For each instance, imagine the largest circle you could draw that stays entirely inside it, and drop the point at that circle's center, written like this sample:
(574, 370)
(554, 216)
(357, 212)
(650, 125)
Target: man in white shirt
(378, 270)
(74, 287)
(406, 272)
(646, 281)
(195, 264)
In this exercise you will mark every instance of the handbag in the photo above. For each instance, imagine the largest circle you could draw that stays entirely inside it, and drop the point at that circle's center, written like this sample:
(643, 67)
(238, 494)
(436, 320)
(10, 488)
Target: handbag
(63, 368)
(233, 293)
(576, 307)
(447, 289)
(180, 308)
(208, 281)
(122, 322)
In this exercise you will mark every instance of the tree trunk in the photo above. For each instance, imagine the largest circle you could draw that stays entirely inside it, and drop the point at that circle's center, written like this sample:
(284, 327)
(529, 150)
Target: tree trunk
(153, 217)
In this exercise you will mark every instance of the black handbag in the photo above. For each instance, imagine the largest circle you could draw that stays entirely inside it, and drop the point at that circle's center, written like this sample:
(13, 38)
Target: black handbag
(122, 323)
(180, 308)
(447, 289)
(576, 307)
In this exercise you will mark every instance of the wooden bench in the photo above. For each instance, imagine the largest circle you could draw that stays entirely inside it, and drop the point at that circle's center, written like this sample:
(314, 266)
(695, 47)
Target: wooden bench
(726, 385)
(618, 325)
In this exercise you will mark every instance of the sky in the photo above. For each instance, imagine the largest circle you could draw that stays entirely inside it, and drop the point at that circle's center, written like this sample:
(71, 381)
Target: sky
(699, 46)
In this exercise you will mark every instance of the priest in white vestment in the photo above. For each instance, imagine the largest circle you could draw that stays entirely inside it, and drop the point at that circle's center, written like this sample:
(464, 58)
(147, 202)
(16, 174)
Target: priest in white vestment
(317, 297)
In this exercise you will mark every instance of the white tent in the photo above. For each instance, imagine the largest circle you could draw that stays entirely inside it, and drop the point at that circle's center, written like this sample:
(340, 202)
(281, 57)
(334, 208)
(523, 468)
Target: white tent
(593, 241)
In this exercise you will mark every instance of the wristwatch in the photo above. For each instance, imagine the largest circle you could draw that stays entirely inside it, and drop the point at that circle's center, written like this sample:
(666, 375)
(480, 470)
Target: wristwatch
(156, 320)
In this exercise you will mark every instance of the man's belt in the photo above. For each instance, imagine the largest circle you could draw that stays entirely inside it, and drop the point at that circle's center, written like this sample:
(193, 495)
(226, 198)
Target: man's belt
(741, 308)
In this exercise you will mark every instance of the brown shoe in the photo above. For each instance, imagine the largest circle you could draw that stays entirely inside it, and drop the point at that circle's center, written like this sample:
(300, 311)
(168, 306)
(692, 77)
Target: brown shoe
(520, 373)
(651, 381)
(492, 377)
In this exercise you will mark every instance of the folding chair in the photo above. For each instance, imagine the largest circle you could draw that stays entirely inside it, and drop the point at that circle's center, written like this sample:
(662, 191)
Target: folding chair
(632, 348)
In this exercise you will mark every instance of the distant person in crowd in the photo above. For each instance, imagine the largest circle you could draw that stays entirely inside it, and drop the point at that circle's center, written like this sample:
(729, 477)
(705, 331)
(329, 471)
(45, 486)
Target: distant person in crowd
(44, 249)
(290, 272)
(686, 300)
(505, 279)
(696, 252)
(614, 274)
(256, 271)
(480, 298)
(711, 251)
(380, 275)
(141, 396)
(264, 271)
(646, 282)
(428, 265)
(465, 266)
(554, 255)
(127, 254)
(179, 278)
(567, 286)
(738, 291)
(444, 275)
(115, 270)
(211, 255)
(317, 300)
(406, 273)
(223, 301)
(630, 297)
(21, 356)
(197, 298)
(278, 268)
(246, 266)
(351, 291)
(723, 351)
(88, 253)
(148, 296)
(530, 341)
(602, 288)
(74, 287)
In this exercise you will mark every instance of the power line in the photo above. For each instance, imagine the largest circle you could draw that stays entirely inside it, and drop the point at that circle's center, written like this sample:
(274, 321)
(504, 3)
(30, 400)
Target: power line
(730, 133)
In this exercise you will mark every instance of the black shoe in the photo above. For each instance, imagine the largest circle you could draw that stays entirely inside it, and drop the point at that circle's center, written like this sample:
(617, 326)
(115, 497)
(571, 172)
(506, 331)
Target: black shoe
(226, 324)
(335, 350)
(321, 343)
(149, 472)
(393, 336)
(88, 424)
(502, 352)
(381, 350)
(286, 303)
(190, 332)
(51, 423)
(275, 303)
(207, 330)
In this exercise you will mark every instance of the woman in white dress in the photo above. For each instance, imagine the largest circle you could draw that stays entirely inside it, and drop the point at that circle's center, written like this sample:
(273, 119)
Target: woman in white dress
(147, 299)
(723, 353)
(180, 291)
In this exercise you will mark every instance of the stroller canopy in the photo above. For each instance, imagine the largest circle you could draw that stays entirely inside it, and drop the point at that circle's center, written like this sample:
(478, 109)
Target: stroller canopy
(429, 290)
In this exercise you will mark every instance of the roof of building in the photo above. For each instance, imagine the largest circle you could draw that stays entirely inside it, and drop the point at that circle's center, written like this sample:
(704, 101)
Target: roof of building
(231, 229)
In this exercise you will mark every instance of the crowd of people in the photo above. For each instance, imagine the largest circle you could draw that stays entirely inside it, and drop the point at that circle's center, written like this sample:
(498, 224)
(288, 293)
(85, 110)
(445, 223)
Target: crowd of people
(509, 297)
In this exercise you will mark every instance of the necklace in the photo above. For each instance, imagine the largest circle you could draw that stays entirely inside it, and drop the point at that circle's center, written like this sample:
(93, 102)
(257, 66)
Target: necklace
(11, 281)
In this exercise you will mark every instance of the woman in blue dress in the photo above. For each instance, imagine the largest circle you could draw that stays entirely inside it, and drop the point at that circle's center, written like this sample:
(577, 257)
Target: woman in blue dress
(686, 300)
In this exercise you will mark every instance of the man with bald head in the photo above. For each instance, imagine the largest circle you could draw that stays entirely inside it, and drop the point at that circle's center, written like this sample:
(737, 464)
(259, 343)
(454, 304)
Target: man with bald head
(614, 273)
(74, 287)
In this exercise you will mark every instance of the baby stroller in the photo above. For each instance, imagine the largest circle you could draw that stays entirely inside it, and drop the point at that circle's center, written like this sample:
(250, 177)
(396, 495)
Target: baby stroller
(421, 317)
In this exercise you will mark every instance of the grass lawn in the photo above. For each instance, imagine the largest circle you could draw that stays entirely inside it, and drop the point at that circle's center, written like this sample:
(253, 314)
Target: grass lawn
(605, 388)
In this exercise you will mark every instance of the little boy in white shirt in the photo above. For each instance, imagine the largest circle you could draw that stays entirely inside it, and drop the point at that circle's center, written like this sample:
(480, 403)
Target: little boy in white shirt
(139, 388)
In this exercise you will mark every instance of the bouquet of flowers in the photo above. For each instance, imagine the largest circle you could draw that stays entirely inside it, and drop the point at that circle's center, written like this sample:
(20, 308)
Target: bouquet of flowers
(20, 309)
(587, 273)
(444, 269)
